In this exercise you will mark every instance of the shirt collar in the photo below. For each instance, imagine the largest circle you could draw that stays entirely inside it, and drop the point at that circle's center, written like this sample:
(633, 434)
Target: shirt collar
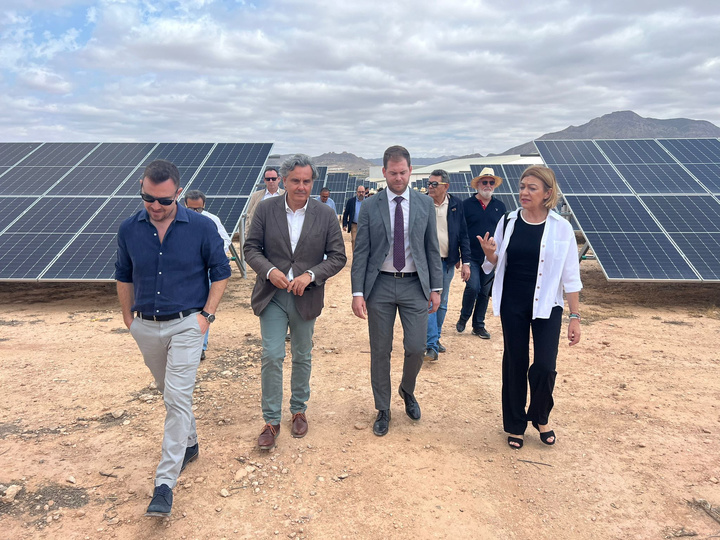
(405, 194)
(180, 215)
(288, 209)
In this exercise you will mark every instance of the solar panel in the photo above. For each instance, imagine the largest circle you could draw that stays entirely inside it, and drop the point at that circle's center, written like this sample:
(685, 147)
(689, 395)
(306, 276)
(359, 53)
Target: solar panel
(62, 203)
(648, 214)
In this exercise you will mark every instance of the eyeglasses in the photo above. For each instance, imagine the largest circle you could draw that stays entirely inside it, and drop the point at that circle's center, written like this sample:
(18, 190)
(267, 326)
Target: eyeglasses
(165, 201)
(271, 179)
(436, 184)
(488, 182)
(198, 210)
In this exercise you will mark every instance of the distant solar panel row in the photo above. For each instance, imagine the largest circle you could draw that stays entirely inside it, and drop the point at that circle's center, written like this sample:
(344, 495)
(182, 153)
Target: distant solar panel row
(649, 208)
(62, 203)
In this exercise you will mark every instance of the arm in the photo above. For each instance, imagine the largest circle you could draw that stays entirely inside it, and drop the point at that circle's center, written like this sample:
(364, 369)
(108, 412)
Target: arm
(346, 216)
(465, 252)
(126, 295)
(491, 246)
(361, 256)
(217, 288)
(573, 299)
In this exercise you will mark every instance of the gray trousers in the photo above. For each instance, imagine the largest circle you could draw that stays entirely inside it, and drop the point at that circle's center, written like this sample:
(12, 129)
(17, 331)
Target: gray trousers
(389, 296)
(172, 352)
(275, 319)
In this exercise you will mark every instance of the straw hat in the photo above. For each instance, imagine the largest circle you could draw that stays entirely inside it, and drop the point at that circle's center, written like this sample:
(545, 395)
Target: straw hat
(487, 172)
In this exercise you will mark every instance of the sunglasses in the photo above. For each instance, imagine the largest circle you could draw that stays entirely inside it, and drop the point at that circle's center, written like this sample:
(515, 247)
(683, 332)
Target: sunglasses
(198, 210)
(272, 179)
(436, 184)
(165, 201)
(488, 182)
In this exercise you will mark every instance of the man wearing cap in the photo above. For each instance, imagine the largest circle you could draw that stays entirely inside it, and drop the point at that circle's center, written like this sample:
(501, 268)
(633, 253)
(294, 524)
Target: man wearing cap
(165, 254)
(454, 245)
(482, 212)
(351, 213)
(272, 189)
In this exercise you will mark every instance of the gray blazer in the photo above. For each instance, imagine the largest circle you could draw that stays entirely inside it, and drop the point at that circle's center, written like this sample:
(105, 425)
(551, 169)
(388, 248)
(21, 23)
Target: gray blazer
(268, 245)
(373, 242)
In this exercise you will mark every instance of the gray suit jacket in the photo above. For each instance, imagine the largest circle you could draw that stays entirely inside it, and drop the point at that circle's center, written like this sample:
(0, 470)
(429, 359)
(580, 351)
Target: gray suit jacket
(255, 198)
(373, 242)
(268, 245)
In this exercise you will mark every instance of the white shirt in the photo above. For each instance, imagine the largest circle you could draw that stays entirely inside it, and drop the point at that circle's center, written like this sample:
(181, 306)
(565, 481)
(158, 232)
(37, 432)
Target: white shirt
(387, 265)
(221, 230)
(295, 221)
(558, 266)
(441, 211)
(269, 195)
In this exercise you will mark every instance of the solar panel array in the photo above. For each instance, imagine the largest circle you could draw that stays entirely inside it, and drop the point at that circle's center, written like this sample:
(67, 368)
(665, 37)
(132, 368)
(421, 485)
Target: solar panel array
(62, 203)
(337, 184)
(319, 182)
(649, 208)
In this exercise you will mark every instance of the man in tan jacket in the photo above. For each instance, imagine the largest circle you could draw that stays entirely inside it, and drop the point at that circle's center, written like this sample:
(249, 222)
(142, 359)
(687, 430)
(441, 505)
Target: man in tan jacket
(272, 189)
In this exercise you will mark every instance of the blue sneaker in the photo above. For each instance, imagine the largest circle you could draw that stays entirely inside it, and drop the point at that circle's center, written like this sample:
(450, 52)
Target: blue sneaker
(191, 454)
(161, 504)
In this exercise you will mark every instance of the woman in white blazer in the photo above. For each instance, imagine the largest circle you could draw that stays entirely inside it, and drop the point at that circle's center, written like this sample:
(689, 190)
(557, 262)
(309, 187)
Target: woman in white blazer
(535, 257)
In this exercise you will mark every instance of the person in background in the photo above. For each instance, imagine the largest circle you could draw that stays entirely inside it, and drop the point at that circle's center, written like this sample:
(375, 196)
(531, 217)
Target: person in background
(350, 215)
(324, 198)
(482, 213)
(195, 200)
(535, 257)
(272, 189)
(454, 245)
(165, 254)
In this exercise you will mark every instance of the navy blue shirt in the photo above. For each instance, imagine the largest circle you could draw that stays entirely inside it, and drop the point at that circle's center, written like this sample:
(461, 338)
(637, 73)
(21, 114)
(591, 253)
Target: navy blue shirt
(481, 221)
(172, 276)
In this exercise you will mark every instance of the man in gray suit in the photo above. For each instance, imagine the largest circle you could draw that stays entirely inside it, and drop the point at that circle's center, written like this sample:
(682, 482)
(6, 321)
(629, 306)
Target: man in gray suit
(396, 268)
(286, 245)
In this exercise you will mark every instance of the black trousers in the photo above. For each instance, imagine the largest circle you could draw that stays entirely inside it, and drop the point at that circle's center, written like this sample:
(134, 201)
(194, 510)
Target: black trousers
(516, 317)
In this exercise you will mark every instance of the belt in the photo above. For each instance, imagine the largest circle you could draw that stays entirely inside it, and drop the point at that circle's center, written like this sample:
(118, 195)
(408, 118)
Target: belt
(171, 317)
(399, 274)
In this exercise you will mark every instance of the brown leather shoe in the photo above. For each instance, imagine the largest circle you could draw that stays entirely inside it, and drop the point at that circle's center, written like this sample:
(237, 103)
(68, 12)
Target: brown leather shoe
(267, 437)
(299, 425)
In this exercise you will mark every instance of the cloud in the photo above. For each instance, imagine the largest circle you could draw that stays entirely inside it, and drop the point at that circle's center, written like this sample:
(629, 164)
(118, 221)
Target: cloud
(453, 77)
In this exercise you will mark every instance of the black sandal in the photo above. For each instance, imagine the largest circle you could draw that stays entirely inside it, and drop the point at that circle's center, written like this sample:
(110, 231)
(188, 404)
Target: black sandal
(516, 440)
(546, 435)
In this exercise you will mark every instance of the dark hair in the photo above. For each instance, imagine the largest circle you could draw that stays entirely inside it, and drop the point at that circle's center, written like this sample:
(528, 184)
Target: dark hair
(324, 190)
(160, 171)
(396, 153)
(193, 195)
(442, 173)
(268, 169)
(298, 160)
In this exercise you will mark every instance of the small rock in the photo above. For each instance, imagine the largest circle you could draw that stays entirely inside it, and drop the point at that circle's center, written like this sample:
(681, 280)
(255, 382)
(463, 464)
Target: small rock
(71, 479)
(713, 480)
(343, 476)
(360, 425)
(218, 509)
(200, 479)
(240, 474)
(126, 422)
(118, 413)
(706, 430)
(284, 471)
(11, 493)
(113, 521)
(80, 513)
(333, 305)
(250, 468)
(224, 493)
(298, 461)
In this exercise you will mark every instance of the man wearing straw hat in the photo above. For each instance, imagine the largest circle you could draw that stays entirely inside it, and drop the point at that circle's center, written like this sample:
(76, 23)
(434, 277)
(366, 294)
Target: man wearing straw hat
(482, 213)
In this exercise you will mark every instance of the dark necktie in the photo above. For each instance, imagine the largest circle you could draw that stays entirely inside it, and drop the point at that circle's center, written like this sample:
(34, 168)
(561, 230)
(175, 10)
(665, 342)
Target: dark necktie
(399, 236)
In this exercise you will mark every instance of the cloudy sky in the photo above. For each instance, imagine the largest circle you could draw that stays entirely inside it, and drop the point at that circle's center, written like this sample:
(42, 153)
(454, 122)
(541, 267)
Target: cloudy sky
(451, 77)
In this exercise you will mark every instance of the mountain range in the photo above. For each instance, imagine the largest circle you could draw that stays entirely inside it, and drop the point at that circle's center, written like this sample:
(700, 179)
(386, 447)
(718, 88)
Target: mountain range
(616, 125)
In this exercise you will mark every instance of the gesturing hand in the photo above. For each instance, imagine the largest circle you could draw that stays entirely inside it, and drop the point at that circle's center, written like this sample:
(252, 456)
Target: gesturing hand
(487, 243)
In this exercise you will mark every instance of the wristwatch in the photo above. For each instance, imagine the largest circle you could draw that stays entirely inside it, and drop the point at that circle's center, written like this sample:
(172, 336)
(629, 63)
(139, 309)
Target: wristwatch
(209, 316)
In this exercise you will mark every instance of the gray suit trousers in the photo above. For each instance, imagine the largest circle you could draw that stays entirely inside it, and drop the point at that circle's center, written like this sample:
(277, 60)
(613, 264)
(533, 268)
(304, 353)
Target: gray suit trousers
(389, 296)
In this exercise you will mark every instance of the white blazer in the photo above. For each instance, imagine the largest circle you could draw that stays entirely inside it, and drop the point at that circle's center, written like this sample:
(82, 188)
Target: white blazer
(558, 267)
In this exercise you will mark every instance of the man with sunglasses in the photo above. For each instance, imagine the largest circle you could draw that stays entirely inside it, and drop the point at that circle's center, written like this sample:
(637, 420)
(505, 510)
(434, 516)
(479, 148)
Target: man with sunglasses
(351, 213)
(454, 245)
(165, 254)
(195, 201)
(272, 189)
(482, 213)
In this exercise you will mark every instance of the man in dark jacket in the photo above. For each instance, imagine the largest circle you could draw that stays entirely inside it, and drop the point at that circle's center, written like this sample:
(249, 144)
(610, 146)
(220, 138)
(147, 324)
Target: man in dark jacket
(482, 212)
(351, 213)
(454, 245)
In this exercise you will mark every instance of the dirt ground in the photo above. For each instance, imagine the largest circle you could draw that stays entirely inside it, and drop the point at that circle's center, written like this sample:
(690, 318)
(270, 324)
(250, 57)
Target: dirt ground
(636, 416)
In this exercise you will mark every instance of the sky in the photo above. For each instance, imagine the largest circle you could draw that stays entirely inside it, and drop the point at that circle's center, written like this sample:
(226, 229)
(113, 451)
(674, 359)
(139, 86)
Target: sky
(452, 77)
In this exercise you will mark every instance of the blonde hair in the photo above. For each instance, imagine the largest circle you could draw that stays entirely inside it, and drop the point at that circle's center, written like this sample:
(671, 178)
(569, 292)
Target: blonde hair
(547, 177)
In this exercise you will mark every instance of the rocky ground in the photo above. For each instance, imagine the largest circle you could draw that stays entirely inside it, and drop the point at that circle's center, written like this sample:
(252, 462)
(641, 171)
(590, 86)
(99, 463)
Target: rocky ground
(636, 416)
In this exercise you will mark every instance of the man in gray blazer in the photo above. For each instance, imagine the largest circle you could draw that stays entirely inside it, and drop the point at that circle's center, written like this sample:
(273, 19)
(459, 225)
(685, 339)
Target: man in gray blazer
(396, 268)
(286, 246)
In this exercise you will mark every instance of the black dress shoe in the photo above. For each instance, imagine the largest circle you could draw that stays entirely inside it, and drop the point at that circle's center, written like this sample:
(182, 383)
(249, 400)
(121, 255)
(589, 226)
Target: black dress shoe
(430, 356)
(412, 409)
(382, 423)
(161, 504)
(460, 326)
(481, 333)
(191, 454)
(441, 348)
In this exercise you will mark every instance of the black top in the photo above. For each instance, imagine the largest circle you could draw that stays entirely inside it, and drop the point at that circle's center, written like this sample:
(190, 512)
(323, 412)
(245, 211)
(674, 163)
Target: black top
(481, 221)
(523, 251)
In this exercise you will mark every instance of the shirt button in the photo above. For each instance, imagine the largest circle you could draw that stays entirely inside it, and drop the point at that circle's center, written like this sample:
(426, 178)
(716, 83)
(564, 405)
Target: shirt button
(161, 253)
(542, 260)
(536, 299)
(158, 292)
(159, 272)
(157, 311)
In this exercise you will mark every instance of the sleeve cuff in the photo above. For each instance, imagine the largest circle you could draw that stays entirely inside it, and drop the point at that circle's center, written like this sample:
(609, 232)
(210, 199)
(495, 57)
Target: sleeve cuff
(267, 276)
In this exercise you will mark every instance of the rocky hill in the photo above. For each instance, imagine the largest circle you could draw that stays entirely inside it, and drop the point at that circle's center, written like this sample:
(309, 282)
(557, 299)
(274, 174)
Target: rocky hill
(627, 125)
(343, 162)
